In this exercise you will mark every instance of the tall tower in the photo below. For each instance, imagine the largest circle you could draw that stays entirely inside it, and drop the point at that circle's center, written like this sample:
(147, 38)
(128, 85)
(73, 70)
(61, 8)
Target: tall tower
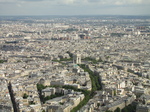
(77, 59)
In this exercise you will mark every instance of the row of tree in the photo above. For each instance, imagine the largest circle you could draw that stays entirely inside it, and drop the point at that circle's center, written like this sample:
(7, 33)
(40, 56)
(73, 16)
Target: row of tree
(96, 85)
(2, 61)
(94, 61)
(95, 78)
(129, 108)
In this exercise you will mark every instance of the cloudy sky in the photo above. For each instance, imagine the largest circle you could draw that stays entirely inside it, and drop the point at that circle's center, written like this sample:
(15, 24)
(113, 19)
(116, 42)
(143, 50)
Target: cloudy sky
(74, 7)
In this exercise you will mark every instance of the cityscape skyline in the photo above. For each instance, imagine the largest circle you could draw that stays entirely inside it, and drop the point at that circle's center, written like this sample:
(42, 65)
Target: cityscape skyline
(74, 7)
(75, 63)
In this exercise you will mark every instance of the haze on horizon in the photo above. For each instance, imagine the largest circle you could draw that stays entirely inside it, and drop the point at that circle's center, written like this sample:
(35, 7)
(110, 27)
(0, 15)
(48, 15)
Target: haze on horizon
(74, 7)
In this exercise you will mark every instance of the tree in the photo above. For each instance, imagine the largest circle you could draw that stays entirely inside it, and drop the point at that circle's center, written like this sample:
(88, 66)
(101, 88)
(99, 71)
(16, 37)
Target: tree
(70, 54)
(124, 109)
(32, 103)
(114, 92)
(98, 104)
(25, 96)
(117, 110)
(108, 111)
(2, 61)
(40, 87)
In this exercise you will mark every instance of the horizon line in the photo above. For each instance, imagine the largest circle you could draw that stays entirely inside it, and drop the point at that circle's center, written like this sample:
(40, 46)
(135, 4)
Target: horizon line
(81, 15)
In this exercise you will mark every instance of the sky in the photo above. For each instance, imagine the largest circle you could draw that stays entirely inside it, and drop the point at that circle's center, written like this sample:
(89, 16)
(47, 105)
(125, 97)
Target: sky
(74, 7)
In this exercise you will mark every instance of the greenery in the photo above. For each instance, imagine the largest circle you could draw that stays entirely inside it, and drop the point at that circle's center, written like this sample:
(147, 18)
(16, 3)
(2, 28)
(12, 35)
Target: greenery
(63, 59)
(28, 32)
(43, 99)
(114, 92)
(95, 79)
(57, 61)
(85, 92)
(52, 96)
(61, 103)
(40, 87)
(109, 111)
(98, 104)
(31, 103)
(107, 57)
(25, 96)
(98, 37)
(96, 85)
(94, 61)
(66, 59)
(82, 103)
(18, 61)
(131, 71)
(117, 109)
(2, 61)
(117, 34)
(70, 30)
(70, 87)
(70, 54)
(129, 108)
